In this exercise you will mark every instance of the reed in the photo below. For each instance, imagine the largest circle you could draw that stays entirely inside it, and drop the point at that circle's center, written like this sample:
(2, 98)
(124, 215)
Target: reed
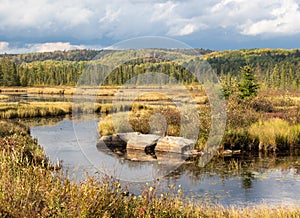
(276, 134)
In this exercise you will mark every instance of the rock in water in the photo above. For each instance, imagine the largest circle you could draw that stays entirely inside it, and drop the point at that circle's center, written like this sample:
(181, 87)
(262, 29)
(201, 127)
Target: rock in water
(126, 136)
(112, 142)
(174, 144)
(146, 142)
(139, 141)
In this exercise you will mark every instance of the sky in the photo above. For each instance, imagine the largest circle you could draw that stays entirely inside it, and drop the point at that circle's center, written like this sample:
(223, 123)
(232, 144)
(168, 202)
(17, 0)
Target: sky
(44, 25)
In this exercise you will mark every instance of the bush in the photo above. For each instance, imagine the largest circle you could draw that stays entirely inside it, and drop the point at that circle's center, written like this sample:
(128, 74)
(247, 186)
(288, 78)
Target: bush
(261, 105)
(240, 114)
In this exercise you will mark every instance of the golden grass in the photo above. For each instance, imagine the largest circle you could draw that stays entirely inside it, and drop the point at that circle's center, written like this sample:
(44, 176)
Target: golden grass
(62, 90)
(54, 90)
(113, 123)
(34, 109)
(51, 90)
(139, 120)
(2, 97)
(12, 89)
(296, 100)
(274, 133)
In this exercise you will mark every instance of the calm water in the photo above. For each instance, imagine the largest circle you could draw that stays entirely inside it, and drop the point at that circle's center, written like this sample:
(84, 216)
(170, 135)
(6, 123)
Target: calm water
(271, 180)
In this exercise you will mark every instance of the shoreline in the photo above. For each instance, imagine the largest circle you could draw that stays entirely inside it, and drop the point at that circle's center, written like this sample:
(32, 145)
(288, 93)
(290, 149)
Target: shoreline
(62, 197)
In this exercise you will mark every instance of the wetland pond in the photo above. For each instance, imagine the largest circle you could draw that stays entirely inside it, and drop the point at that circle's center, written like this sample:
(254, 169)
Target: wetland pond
(250, 180)
(230, 181)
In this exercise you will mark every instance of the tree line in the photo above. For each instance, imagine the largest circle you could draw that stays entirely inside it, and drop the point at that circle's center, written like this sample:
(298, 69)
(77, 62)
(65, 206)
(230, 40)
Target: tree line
(276, 69)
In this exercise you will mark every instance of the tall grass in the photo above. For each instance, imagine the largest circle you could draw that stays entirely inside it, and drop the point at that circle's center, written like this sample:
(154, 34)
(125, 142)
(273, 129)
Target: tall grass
(34, 109)
(276, 134)
(139, 120)
(2, 97)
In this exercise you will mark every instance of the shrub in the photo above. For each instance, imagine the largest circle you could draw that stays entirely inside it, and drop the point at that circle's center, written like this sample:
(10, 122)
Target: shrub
(261, 105)
(240, 114)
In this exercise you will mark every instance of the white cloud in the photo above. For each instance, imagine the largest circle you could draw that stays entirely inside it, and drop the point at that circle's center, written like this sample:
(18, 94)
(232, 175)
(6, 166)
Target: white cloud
(111, 15)
(284, 20)
(177, 21)
(163, 11)
(257, 17)
(35, 14)
(5, 47)
(90, 20)
(93, 19)
(54, 46)
(187, 29)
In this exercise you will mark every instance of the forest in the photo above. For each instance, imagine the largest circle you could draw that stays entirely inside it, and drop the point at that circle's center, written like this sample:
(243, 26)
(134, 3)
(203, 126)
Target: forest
(273, 68)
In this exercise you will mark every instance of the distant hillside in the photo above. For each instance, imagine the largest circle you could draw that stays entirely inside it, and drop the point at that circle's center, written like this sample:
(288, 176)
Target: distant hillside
(81, 55)
(274, 68)
(231, 61)
(73, 55)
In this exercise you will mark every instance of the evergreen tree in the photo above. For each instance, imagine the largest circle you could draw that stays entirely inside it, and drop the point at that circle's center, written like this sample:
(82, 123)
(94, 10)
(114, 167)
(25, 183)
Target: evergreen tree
(9, 75)
(247, 86)
(227, 84)
(283, 78)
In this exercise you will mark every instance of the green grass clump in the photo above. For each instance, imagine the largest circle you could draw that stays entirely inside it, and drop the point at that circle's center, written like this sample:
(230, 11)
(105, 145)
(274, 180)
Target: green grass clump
(276, 134)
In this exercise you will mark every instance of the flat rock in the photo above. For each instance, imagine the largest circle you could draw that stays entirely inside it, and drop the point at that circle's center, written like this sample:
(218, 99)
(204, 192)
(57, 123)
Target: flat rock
(139, 141)
(126, 136)
(146, 142)
(174, 144)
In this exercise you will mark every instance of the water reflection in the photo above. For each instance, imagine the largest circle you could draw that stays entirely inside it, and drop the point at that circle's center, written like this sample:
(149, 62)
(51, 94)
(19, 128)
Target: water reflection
(241, 180)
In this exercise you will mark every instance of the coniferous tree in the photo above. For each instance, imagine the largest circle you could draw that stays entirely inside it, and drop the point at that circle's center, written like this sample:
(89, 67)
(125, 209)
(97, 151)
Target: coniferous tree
(9, 75)
(247, 86)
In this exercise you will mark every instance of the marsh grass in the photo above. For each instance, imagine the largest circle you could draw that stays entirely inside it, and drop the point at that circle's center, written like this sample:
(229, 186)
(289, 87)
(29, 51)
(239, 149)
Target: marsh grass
(276, 134)
(51, 90)
(62, 90)
(34, 109)
(2, 97)
(138, 119)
